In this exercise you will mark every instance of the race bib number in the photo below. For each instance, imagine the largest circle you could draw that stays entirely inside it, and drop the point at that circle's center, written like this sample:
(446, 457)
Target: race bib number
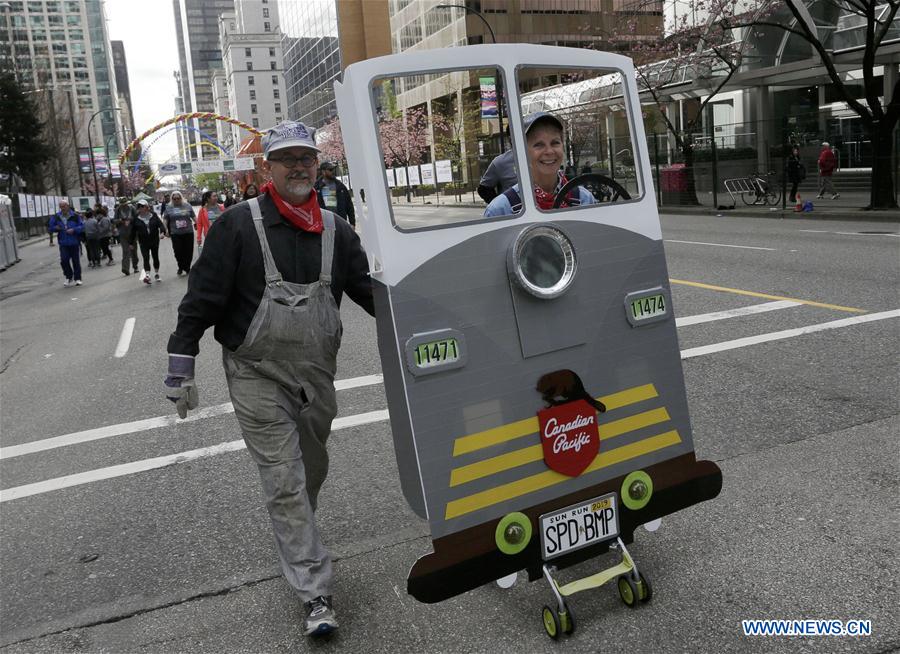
(181, 223)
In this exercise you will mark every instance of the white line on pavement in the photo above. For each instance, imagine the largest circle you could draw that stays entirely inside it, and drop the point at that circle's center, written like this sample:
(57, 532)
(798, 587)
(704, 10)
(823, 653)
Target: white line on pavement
(378, 416)
(91, 476)
(823, 231)
(151, 423)
(732, 313)
(125, 338)
(787, 333)
(724, 245)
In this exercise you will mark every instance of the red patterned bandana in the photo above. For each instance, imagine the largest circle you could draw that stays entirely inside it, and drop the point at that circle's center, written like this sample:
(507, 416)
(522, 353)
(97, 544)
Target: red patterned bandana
(545, 200)
(306, 216)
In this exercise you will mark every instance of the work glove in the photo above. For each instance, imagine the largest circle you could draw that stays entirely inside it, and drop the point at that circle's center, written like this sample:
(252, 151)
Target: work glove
(180, 386)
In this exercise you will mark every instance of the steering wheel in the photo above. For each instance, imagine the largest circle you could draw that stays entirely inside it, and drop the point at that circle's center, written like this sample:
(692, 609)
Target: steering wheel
(608, 190)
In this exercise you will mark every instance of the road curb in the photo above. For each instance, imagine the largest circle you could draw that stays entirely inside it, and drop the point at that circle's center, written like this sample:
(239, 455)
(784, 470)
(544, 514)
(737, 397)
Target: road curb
(851, 215)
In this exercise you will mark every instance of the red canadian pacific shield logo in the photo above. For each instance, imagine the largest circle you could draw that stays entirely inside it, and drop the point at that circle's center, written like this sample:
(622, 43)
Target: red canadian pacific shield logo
(570, 436)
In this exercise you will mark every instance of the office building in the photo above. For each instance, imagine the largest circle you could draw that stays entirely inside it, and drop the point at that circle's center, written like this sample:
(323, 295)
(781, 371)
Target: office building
(123, 88)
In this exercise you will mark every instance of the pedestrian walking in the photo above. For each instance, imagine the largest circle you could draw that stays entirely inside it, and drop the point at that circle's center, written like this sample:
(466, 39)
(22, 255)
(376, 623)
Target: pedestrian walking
(827, 164)
(164, 204)
(69, 227)
(129, 249)
(229, 199)
(333, 194)
(179, 220)
(270, 280)
(105, 231)
(123, 209)
(796, 171)
(210, 210)
(499, 176)
(146, 231)
(250, 191)
(48, 230)
(92, 239)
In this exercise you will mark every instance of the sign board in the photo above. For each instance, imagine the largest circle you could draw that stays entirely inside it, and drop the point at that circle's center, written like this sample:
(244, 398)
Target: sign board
(488, 97)
(401, 176)
(412, 174)
(444, 171)
(23, 205)
(211, 166)
(244, 163)
(427, 174)
(391, 181)
(169, 169)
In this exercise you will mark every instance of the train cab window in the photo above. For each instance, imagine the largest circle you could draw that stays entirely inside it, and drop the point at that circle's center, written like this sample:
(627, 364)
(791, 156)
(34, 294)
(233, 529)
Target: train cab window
(579, 141)
(441, 137)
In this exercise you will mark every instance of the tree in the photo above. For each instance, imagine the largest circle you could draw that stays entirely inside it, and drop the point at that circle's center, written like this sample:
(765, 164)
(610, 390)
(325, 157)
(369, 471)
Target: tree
(22, 152)
(879, 120)
(405, 139)
(209, 181)
(331, 142)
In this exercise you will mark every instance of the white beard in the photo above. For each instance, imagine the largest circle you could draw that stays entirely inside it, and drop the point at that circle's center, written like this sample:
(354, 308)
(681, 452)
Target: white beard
(298, 188)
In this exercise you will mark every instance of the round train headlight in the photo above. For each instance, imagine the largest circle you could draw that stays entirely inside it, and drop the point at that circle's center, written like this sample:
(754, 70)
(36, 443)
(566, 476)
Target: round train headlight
(637, 489)
(542, 260)
(513, 533)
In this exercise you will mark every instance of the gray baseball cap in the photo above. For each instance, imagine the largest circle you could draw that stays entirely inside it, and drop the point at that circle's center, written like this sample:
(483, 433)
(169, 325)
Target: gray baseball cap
(541, 116)
(288, 134)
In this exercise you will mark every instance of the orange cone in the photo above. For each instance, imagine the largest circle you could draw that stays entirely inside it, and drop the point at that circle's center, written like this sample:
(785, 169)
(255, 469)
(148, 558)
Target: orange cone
(799, 206)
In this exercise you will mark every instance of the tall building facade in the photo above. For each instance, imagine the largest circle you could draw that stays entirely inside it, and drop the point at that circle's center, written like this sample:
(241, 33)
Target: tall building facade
(62, 46)
(199, 54)
(253, 76)
(120, 67)
(319, 39)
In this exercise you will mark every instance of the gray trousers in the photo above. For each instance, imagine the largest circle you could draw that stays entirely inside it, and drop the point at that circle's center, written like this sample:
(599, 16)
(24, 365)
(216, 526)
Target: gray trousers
(826, 185)
(286, 435)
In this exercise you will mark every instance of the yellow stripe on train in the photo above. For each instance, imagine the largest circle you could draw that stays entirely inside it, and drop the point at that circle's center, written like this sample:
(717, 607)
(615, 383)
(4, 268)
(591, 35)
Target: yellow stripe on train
(520, 428)
(473, 471)
(548, 478)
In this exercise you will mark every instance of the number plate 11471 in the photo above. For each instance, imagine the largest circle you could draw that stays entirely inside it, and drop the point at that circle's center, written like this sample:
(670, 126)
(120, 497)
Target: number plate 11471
(578, 526)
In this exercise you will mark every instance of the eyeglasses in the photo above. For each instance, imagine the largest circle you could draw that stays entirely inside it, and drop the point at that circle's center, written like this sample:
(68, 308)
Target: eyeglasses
(289, 161)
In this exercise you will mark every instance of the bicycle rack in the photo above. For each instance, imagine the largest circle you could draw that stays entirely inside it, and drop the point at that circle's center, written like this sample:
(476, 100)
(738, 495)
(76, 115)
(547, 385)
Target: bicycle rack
(739, 185)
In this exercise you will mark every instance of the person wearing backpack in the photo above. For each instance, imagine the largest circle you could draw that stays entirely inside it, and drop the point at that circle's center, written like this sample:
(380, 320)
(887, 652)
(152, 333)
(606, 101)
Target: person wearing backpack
(796, 171)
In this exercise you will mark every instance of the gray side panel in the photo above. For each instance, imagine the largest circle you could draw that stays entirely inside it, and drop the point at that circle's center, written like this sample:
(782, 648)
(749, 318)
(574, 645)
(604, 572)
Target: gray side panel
(467, 288)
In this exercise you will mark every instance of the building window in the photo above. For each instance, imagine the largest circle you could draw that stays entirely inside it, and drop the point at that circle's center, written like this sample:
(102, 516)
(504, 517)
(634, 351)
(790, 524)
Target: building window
(275, 79)
(247, 52)
(252, 94)
(276, 94)
(255, 122)
(265, 13)
(273, 65)
(278, 119)
(251, 81)
(267, 27)
(249, 65)
(271, 52)
(278, 106)
(253, 109)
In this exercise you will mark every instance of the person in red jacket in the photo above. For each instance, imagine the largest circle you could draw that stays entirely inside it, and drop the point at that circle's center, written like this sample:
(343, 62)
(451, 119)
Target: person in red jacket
(210, 210)
(827, 164)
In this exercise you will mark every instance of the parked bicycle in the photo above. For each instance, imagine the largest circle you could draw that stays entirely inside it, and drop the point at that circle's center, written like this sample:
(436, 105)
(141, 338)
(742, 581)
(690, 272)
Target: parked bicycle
(761, 190)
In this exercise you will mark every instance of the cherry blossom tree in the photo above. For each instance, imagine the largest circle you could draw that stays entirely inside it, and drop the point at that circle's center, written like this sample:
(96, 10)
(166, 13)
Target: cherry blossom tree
(406, 138)
(332, 142)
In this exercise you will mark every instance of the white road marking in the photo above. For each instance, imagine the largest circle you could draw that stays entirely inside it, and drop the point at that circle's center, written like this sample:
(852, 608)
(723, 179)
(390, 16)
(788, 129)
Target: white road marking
(360, 419)
(823, 231)
(724, 245)
(125, 338)
(740, 311)
(151, 423)
(111, 472)
(787, 333)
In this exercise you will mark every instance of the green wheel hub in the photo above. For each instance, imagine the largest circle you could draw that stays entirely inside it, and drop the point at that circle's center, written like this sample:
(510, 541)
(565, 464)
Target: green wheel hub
(513, 533)
(637, 489)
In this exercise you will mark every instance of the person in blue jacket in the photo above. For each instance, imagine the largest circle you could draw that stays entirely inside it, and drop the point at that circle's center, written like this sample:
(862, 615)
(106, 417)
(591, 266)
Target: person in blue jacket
(69, 226)
(546, 156)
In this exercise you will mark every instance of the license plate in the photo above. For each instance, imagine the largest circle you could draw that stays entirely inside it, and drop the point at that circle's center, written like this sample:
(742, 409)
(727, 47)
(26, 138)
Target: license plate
(649, 306)
(580, 525)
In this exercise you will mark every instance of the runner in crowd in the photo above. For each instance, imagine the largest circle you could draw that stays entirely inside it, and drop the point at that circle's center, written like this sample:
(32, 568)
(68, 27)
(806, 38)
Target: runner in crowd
(250, 191)
(69, 227)
(146, 230)
(104, 232)
(209, 212)
(179, 220)
(92, 238)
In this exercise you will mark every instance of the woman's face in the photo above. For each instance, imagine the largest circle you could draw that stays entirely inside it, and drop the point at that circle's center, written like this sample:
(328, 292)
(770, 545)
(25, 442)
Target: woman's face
(545, 154)
(251, 191)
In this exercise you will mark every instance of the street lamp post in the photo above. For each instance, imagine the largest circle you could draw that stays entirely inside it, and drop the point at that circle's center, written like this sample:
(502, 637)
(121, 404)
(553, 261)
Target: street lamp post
(91, 148)
(469, 10)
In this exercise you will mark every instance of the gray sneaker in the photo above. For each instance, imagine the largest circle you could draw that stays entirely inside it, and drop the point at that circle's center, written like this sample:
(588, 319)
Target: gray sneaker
(320, 620)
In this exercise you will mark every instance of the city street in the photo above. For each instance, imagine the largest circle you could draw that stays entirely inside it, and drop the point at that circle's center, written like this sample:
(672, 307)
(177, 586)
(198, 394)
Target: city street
(123, 529)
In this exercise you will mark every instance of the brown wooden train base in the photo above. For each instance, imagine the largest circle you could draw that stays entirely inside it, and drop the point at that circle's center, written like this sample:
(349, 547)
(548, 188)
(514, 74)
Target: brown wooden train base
(468, 559)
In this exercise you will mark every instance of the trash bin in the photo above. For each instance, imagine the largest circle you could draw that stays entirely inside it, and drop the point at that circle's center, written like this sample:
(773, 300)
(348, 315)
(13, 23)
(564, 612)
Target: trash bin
(673, 183)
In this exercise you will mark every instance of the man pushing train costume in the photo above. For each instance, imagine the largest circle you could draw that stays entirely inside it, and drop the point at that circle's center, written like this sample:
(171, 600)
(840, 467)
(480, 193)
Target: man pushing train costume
(270, 279)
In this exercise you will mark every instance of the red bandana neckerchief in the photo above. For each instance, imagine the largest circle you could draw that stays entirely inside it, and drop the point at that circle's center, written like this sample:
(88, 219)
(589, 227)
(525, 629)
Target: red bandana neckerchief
(306, 216)
(545, 200)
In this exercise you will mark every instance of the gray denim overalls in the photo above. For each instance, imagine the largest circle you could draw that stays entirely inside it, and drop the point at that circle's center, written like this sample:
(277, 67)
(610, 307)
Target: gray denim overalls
(281, 381)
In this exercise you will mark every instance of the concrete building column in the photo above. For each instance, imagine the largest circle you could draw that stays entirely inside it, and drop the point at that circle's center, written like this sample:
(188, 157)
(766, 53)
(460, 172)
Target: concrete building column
(765, 128)
(822, 117)
(672, 110)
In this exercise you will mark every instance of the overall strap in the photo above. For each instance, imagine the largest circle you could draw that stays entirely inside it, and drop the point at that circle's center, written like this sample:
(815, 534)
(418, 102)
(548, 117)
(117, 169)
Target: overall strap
(515, 200)
(272, 274)
(327, 246)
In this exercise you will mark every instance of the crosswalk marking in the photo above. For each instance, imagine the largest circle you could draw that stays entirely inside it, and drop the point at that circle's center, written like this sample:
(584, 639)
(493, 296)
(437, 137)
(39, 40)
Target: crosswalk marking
(733, 313)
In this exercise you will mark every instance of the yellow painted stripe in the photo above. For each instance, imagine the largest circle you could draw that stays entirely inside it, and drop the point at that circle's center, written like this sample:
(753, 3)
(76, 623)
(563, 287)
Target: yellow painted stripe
(520, 428)
(739, 291)
(548, 478)
(465, 474)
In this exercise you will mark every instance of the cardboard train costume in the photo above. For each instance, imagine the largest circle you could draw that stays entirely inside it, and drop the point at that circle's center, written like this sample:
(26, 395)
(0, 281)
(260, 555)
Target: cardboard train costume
(531, 361)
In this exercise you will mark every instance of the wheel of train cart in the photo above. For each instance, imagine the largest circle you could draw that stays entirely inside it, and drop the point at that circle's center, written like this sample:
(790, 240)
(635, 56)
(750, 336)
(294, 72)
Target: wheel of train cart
(644, 587)
(628, 591)
(567, 621)
(550, 618)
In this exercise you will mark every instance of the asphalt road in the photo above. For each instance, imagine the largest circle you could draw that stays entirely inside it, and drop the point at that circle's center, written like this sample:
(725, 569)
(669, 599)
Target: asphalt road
(164, 545)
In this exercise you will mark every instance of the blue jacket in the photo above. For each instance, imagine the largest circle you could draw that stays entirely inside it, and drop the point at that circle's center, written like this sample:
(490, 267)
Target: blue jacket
(59, 225)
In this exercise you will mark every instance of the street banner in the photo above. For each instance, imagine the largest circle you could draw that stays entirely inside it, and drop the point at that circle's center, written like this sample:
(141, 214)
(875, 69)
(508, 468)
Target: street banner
(244, 163)
(488, 97)
(84, 160)
(100, 165)
(169, 169)
(401, 176)
(23, 205)
(389, 173)
(210, 166)
(412, 174)
(444, 171)
(427, 174)
(116, 171)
